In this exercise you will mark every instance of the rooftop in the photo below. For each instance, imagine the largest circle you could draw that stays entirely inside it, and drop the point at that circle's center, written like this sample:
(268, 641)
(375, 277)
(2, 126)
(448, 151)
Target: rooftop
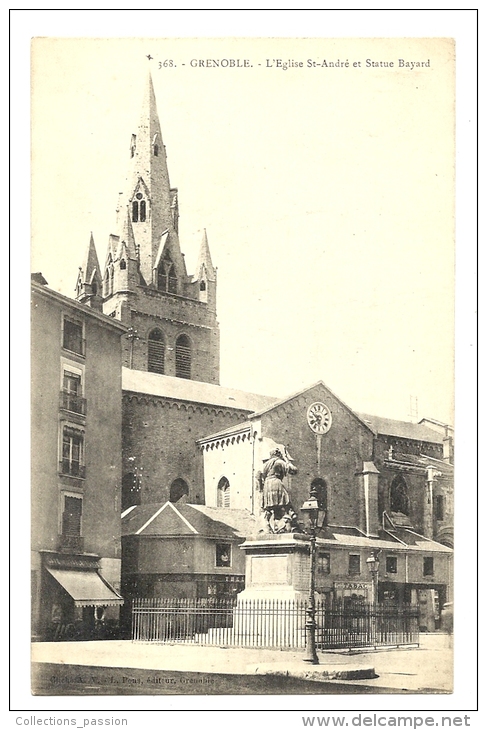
(401, 429)
(166, 386)
(169, 519)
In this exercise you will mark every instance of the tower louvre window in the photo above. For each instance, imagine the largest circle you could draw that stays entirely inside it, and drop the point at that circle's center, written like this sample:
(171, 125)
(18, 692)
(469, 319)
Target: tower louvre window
(156, 352)
(183, 357)
(135, 211)
(142, 211)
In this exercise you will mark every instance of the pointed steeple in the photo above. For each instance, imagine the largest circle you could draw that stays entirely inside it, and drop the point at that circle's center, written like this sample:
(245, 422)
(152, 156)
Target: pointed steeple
(149, 198)
(204, 263)
(88, 285)
(127, 242)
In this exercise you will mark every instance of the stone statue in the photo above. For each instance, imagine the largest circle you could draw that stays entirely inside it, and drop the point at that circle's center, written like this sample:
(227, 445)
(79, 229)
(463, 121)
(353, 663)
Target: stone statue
(279, 515)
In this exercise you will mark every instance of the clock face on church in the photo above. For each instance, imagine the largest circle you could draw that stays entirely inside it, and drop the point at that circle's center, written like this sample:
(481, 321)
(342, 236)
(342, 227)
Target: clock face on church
(319, 418)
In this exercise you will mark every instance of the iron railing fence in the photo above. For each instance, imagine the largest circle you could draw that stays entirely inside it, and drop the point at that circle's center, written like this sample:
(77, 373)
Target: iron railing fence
(271, 623)
(367, 625)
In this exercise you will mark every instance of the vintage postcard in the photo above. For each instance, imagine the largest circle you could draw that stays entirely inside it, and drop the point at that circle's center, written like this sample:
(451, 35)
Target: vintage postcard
(242, 366)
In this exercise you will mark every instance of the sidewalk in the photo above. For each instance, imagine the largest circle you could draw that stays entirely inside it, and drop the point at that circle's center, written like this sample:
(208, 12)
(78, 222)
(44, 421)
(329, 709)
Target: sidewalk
(428, 668)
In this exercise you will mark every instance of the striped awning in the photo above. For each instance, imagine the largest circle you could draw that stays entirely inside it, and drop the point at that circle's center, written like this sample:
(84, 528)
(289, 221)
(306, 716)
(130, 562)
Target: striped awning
(86, 587)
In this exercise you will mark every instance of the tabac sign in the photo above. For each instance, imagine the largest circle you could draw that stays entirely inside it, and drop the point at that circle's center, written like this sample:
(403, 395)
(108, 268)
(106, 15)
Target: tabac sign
(348, 586)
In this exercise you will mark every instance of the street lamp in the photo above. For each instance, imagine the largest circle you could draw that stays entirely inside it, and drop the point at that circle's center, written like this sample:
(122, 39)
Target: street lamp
(311, 509)
(373, 564)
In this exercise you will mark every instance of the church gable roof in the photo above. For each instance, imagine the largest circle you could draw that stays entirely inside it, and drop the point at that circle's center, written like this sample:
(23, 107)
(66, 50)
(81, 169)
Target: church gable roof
(319, 385)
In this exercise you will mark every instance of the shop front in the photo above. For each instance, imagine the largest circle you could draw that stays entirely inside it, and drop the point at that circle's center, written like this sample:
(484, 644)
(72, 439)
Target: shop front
(77, 603)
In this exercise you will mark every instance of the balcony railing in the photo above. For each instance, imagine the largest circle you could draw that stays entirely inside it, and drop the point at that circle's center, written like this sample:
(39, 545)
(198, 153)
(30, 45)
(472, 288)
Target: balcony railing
(73, 403)
(71, 543)
(72, 469)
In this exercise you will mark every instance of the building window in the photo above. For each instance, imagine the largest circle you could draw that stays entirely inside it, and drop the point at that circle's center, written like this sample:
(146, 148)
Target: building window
(72, 452)
(138, 209)
(123, 264)
(183, 357)
(167, 279)
(354, 564)
(202, 286)
(428, 566)
(156, 150)
(323, 563)
(71, 522)
(223, 493)
(71, 399)
(223, 555)
(73, 336)
(440, 507)
(179, 489)
(156, 349)
(391, 564)
(399, 496)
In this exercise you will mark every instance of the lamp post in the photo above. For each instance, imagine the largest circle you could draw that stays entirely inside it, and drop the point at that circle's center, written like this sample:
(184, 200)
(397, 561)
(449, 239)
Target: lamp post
(311, 509)
(373, 564)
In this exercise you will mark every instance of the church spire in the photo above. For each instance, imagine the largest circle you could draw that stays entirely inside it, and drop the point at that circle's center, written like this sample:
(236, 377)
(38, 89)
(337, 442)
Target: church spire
(149, 197)
(88, 284)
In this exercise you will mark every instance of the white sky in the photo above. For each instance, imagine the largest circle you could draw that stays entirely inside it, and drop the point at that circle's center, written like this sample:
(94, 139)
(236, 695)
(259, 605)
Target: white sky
(327, 195)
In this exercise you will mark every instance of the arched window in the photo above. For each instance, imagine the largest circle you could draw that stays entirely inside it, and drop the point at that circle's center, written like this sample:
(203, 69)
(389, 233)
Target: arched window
(155, 360)
(399, 495)
(156, 150)
(139, 209)
(183, 357)
(167, 279)
(111, 279)
(123, 264)
(319, 485)
(179, 489)
(223, 493)
(202, 286)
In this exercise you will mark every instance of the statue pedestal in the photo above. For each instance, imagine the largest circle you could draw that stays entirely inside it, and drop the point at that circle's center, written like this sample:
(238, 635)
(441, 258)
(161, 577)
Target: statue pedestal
(276, 567)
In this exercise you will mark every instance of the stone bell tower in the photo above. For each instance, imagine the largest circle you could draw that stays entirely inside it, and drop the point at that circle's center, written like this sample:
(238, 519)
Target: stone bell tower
(145, 284)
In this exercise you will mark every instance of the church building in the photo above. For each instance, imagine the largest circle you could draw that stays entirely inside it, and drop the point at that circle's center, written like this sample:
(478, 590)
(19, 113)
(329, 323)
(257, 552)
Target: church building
(191, 449)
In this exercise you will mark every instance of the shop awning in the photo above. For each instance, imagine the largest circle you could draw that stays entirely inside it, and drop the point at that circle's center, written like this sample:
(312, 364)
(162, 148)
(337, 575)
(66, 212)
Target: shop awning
(86, 587)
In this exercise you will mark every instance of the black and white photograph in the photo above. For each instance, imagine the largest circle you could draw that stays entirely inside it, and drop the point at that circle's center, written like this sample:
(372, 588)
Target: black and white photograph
(242, 279)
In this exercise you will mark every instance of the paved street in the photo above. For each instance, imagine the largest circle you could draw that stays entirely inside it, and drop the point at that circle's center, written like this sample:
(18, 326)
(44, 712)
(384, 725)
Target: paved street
(124, 667)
